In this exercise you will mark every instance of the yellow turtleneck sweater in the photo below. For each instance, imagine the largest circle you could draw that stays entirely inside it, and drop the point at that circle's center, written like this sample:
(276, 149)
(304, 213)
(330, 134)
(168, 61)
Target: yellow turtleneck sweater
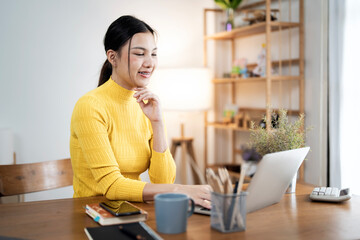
(111, 145)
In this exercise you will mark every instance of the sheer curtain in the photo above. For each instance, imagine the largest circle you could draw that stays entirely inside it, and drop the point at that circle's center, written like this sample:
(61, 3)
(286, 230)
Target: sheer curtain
(344, 94)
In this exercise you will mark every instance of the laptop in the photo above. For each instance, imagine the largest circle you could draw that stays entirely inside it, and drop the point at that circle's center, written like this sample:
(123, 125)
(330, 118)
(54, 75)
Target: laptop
(272, 177)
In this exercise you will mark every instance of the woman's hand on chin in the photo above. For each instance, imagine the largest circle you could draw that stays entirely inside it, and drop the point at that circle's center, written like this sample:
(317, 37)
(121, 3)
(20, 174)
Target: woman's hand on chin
(152, 108)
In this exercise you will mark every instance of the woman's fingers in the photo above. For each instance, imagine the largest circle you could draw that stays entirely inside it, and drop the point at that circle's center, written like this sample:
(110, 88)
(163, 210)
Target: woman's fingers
(139, 88)
(151, 108)
(201, 194)
(140, 92)
(206, 196)
(207, 204)
(203, 202)
(145, 94)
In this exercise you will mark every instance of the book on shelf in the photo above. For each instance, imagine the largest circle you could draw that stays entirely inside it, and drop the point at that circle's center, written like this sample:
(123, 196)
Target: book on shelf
(104, 217)
(138, 230)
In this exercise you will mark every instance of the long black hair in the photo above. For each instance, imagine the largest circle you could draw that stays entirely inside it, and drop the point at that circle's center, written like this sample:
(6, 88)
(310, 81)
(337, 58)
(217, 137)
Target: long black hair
(118, 34)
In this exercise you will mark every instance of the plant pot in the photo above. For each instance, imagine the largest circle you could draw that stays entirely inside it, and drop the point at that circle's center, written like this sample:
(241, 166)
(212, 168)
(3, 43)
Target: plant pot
(292, 185)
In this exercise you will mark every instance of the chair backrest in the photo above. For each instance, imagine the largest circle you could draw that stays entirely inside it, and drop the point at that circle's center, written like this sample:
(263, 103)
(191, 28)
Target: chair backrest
(33, 177)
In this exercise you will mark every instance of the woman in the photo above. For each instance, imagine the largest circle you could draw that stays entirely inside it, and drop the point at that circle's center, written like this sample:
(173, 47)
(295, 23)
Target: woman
(117, 129)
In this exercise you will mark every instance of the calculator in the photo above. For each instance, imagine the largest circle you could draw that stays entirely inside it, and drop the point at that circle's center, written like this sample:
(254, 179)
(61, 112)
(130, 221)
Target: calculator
(330, 194)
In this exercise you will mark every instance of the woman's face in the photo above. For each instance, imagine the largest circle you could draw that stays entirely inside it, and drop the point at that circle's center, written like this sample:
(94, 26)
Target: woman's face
(143, 61)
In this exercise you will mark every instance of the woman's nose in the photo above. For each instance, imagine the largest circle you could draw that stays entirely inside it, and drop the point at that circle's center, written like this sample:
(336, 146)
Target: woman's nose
(149, 62)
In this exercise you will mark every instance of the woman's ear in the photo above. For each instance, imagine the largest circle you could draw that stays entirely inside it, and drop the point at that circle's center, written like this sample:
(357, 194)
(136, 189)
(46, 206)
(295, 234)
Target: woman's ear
(111, 56)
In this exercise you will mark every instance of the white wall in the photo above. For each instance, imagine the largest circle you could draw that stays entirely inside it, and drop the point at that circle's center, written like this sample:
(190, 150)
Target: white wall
(51, 53)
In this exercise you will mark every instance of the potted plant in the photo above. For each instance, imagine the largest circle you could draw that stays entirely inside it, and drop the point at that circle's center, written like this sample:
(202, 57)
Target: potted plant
(229, 6)
(283, 135)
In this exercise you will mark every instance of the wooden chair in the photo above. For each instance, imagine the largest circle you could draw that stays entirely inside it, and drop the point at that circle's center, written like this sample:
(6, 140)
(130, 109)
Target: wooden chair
(34, 177)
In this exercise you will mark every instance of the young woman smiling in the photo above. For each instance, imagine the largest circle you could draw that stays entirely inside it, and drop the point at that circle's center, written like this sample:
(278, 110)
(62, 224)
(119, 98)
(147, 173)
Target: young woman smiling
(117, 129)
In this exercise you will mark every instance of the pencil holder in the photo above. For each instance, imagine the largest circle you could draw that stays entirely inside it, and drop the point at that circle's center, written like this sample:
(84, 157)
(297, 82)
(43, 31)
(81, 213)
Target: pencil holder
(228, 212)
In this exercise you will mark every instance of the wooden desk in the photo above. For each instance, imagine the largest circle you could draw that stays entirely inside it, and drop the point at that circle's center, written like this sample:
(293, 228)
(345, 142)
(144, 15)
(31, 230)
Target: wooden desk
(295, 217)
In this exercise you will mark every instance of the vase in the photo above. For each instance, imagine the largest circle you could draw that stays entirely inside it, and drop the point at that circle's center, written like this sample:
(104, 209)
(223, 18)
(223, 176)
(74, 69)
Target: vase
(292, 185)
(229, 25)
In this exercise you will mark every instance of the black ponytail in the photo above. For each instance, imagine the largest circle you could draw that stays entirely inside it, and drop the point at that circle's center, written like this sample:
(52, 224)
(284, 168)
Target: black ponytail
(117, 35)
(105, 73)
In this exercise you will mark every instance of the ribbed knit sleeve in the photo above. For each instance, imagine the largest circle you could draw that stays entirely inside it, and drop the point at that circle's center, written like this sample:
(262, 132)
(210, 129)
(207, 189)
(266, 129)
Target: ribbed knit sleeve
(90, 125)
(162, 167)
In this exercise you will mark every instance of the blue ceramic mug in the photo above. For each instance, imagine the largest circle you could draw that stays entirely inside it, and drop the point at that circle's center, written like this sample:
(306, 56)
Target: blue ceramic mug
(172, 212)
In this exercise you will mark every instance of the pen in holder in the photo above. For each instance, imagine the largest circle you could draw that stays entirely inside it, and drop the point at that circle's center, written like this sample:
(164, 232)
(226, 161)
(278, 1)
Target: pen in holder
(228, 212)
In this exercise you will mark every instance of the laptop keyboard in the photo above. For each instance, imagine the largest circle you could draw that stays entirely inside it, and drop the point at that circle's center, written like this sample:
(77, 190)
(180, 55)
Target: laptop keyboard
(202, 210)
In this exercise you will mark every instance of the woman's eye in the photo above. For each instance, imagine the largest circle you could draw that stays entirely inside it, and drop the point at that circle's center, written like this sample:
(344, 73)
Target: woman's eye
(154, 54)
(139, 54)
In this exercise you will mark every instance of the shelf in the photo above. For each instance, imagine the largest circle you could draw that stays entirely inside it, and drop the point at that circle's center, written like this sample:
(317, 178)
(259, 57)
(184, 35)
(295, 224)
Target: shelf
(220, 125)
(290, 112)
(256, 28)
(253, 111)
(238, 80)
(253, 5)
(276, 63)
(238, 151)
(241, 8)
(253, 79)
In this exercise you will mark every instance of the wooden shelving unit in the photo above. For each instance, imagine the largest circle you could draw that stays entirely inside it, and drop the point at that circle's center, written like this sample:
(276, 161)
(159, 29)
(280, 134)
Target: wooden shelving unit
(266, 28)
(253, 79)
(257, 28)
(259, 111)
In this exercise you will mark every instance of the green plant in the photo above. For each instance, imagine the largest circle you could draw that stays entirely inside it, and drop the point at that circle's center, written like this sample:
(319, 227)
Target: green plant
(285, 136)
(226, 4)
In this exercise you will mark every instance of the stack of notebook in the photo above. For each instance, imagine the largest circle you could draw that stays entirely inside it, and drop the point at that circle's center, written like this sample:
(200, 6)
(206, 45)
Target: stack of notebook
(118, 227)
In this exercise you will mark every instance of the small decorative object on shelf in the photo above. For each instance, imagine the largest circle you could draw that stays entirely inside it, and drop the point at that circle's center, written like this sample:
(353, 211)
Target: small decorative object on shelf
(229, 6)
(235, 70)
(229, 113)
(239, 68)
(274, 121)
(242, 119)
(260, 69)
(238, 119)
(259, 15)
(243, 67)
(227, 75)
(229, 25)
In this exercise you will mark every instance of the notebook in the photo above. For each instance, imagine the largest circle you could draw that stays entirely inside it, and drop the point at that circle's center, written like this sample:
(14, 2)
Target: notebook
(138, 230)
(272, 177)
(103, 217)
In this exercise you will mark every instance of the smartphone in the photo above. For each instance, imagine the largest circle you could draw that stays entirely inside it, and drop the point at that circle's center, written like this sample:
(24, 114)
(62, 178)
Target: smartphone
(120, 208)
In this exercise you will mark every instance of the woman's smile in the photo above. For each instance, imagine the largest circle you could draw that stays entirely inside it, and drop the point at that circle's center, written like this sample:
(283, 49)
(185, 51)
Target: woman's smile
(145, 74)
